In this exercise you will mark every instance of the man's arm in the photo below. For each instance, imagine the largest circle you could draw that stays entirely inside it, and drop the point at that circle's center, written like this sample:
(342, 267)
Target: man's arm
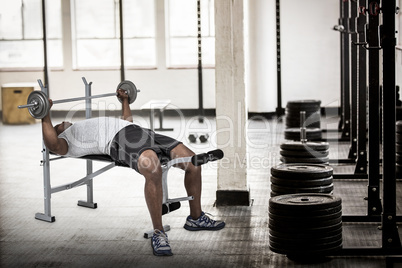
(52, 142)
(126, 111)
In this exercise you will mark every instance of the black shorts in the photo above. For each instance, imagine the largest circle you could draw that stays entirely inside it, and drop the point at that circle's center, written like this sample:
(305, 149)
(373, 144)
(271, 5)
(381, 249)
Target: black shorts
(130, 142)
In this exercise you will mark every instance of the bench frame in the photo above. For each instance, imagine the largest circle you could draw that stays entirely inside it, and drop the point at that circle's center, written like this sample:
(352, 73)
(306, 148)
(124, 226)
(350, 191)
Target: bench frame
(88, 179)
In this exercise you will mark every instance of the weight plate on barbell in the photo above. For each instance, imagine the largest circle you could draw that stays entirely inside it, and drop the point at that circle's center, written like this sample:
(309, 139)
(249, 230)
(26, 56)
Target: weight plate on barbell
(42, 107)
(304, 202)
(300, 171)
(130, 88)
(307, 146)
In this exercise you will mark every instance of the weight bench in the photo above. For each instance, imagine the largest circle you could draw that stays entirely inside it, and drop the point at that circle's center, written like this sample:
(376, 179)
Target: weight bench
(160, 106)
(168, 206)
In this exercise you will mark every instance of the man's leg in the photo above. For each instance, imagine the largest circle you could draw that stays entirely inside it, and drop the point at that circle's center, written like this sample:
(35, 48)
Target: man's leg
(192, 179)
(149, 166)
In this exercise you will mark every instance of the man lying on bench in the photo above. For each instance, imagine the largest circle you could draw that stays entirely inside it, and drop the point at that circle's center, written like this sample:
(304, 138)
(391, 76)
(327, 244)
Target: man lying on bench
(141, 149)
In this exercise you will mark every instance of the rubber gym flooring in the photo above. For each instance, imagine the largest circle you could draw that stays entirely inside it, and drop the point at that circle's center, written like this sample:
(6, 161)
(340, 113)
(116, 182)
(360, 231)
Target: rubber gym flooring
(112, 234)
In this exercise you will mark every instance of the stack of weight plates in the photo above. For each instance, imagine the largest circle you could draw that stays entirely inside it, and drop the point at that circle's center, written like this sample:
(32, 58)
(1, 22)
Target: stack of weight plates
(307, 152)
(312, 109)
(312, 119)
(305, 227)
(398, 149)
(301, 178)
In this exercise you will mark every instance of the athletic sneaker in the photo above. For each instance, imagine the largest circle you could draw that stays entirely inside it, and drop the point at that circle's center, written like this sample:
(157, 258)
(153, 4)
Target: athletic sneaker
(160, 244)
(203, 223)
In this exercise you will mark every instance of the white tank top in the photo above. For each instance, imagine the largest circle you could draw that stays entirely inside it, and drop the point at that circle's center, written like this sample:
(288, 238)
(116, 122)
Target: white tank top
(92, 136)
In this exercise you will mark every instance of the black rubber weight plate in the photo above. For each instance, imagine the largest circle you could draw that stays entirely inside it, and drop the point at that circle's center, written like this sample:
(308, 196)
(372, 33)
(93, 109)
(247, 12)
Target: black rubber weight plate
(307, 154)
(398, 137)
(308, 160)
(294, 220)
(398, 126)
(330, 231)
(294, 190)
(296, 182)
(303, 103)
(309, 242)
(398, 148)
(311, 213)
(304, 202)
(307, 146)
(300, 171)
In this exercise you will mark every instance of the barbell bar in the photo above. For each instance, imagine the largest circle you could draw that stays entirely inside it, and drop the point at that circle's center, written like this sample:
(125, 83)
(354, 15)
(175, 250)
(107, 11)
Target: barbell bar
(38, 104)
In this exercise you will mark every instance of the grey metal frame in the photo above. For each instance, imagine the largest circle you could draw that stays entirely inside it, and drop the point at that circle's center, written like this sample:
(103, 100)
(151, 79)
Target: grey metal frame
(88, 179)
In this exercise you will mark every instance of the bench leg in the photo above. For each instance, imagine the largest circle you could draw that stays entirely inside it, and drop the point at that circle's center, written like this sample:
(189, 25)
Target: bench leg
(90, 190)
(47, 215)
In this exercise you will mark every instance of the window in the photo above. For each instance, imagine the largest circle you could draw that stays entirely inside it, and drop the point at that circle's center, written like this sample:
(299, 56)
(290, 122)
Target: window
(182, 47)
(21, 34)
(97, 33)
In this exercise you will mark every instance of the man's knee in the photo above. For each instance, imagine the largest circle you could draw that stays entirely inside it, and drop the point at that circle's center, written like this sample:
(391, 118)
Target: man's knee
(149, 164)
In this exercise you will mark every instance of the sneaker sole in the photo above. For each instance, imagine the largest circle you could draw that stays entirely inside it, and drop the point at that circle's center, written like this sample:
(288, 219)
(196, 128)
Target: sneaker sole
(190, 228)
(163, 254)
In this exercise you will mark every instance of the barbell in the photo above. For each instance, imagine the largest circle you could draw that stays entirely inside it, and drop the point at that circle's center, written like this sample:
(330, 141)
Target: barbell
(38, 103)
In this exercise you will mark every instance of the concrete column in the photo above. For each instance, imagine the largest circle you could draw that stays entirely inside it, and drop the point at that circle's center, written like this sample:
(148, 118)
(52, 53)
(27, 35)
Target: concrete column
(231, 110)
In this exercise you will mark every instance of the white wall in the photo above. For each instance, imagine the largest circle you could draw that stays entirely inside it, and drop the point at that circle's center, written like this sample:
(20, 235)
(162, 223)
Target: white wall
(309, 50)
(310, 63)
(179, 85)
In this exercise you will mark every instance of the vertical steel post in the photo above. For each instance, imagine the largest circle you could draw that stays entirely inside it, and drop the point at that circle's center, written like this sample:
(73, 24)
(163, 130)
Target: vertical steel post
(88, 114)
(374, 206)
(345, 71)
(201, 111)
(47, 188)
(361, 162)
(279, 109)
(390, 236)
(45, 65)
(122, 67)
(354, 79)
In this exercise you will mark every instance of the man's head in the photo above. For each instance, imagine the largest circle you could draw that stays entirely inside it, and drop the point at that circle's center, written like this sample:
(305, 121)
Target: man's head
(62, 126)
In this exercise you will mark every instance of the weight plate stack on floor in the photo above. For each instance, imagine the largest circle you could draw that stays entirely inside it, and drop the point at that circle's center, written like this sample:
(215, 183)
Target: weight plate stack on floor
(304, 152)
(398, 149)
(312, 109)
(301, 178)
(305, 227)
